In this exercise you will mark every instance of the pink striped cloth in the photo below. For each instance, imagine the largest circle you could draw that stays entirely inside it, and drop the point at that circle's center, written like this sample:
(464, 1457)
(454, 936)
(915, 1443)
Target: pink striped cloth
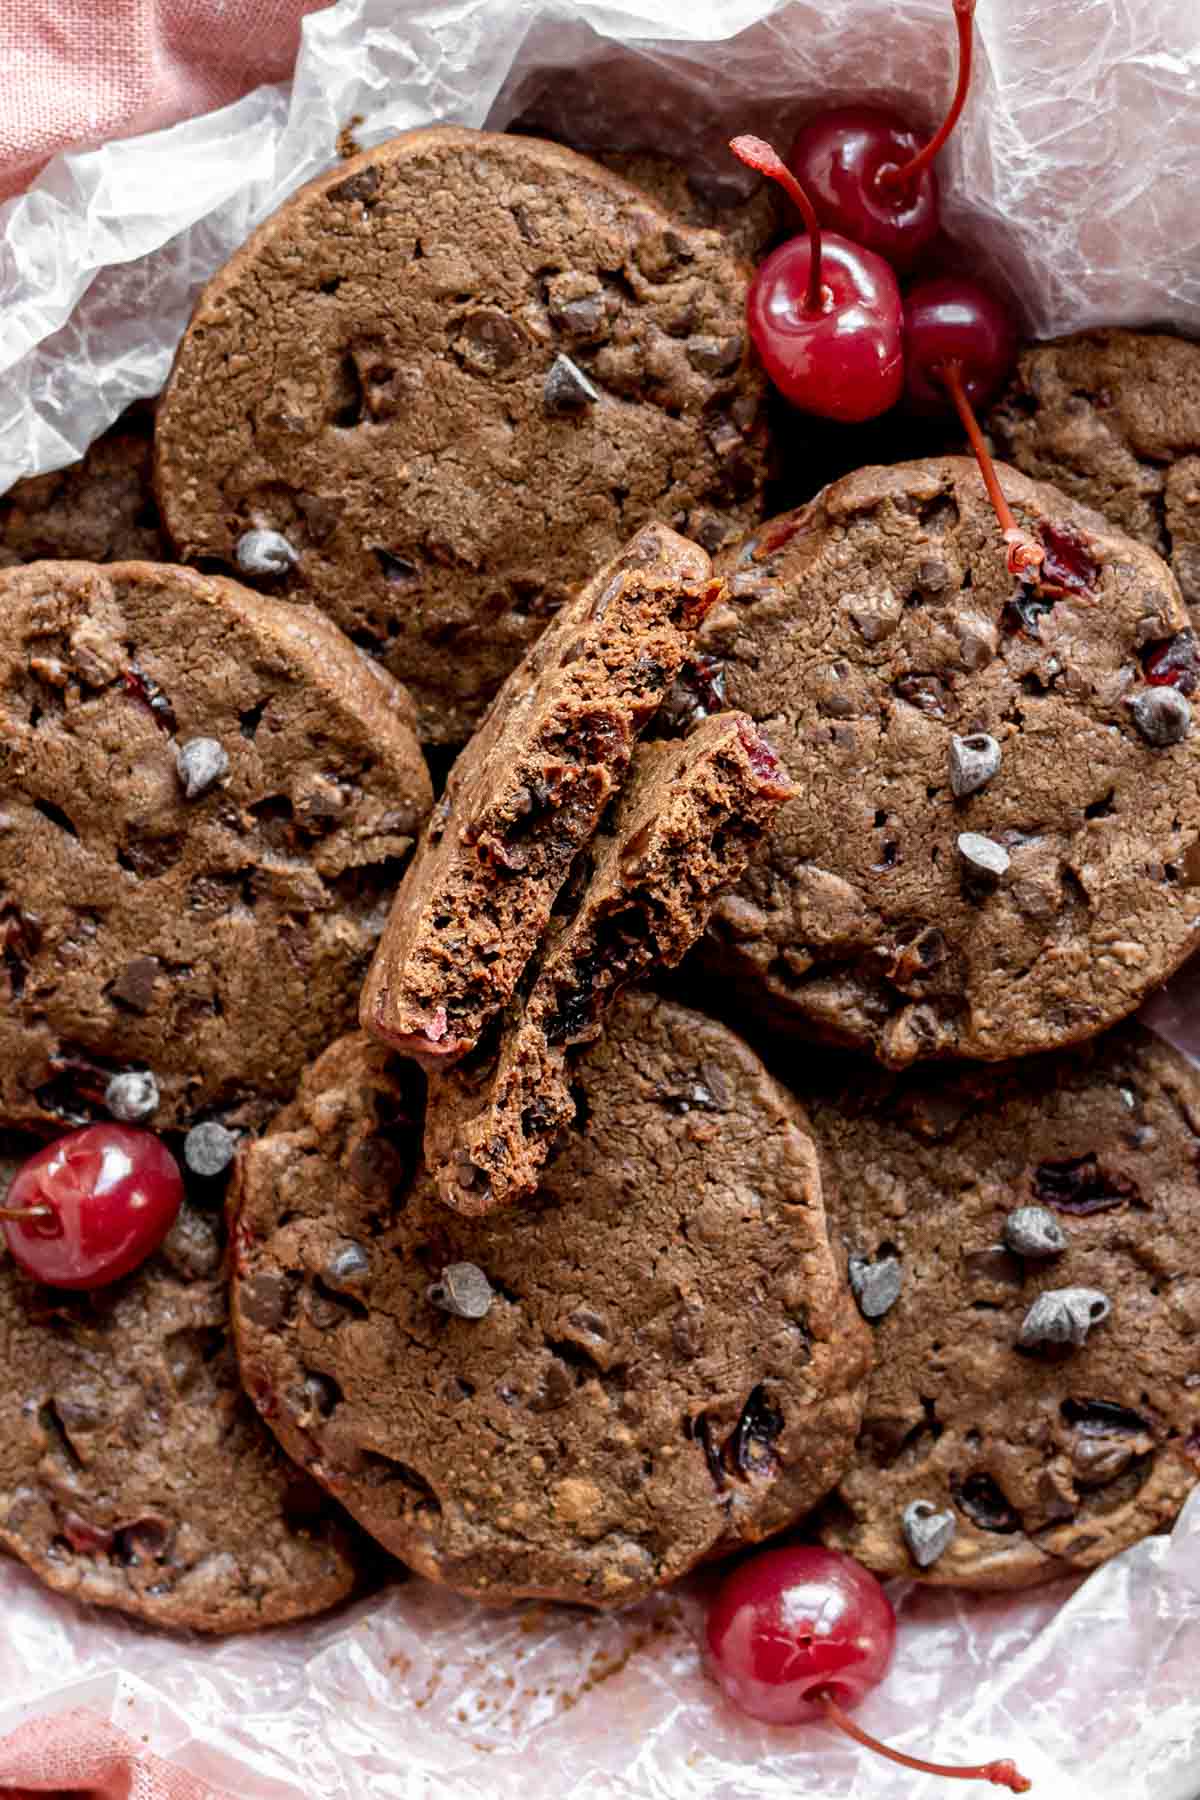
(79, 71)
(79, 1756)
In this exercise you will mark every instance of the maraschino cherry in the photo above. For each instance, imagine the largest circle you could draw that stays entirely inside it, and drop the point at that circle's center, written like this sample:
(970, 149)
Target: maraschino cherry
(824, 313)
(867, 173)
(959, 345)
(798, 1634)
(91, 1206)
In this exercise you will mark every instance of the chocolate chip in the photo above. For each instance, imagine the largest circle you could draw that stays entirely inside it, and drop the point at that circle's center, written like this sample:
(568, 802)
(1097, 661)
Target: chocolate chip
(463, 1290)
(264, 553)
(192, 1247)
(1162, 715)
(489, 341)
(134, 986)
(1063, 1316)
(983, 856)
(750, 1449)
(567, 389)
(201, 762)
(1079, 1185)
(927, 1532)
(143, 1540)
(132, 1096)
(362, 187)
(584, 317)
(264, 1300)
(348, 1264)
(973, 762)
(321, 514)
(980, 1497)
(1034, 1231)
(875, 1285)
(209, 1149)
(715, 356)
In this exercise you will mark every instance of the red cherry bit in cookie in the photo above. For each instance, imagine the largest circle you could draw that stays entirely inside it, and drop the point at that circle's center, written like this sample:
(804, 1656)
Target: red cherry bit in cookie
(867, 173)
(92, 1206)
(797, 1635)
(824, 313)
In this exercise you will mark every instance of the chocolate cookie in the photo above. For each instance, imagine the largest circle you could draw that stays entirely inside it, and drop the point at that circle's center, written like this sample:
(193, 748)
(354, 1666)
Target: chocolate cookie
(994, 847)
(683, 828)
(527, 794)
(652, 1362)
(1026, 1241)
(205, 799)
(134, 1473)
(749, 226)
(101, 509)
(1113, 418)
(456, 374)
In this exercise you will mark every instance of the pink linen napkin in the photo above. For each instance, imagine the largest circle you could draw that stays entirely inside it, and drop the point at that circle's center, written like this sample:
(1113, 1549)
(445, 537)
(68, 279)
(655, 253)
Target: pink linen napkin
(81, 1755)
(79, 71)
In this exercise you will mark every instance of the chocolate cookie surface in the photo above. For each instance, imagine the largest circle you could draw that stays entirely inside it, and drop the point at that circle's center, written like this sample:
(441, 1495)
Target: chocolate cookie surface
(993, 849)
(749, 225)
(134, 1473)
(205, 800)
(668, 1364)
(1113, 418)
(685, 826)
(527, 794)
(456, 374)
(101, 509)
(1038, 1406)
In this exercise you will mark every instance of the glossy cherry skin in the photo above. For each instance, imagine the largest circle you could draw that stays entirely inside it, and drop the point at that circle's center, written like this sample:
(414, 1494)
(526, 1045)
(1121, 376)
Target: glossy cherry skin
(846, 361)
(955, 318)
(838, 158)
(794, 1622)
(113, 1193)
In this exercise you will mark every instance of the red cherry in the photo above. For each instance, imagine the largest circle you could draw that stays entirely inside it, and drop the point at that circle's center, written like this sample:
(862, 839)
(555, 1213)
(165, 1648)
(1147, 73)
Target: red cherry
(91, 1206)
(867, 173)
(797, 1634)
(955, 318)
(824, 315)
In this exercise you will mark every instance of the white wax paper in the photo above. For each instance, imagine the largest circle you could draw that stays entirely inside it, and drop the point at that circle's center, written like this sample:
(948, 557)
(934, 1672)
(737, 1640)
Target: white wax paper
(1072, 182)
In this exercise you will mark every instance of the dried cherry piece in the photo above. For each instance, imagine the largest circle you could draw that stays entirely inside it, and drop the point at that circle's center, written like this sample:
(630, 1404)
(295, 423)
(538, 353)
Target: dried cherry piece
(1079, 1185)
(146, 691)
(1174, 663)
(1069, 567)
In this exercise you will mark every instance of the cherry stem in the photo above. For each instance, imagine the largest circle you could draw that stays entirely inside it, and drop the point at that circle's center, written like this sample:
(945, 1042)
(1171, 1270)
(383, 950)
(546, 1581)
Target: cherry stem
(26, 1212)
(893, 177)
(1024, 556)
(756, 153)
(1000, 1774)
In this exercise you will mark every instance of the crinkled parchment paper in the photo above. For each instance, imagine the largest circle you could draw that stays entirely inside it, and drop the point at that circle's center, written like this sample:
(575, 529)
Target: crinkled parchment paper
(1074, 182)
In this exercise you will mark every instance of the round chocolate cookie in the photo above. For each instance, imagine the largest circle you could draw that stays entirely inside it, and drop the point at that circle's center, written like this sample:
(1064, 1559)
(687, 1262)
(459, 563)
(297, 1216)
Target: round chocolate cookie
(652, 1361)
(205, 800)
(1113, 418)
(134, 1473)
(454, 376)
(101, 509)
(1026, 1242)
(994, 844)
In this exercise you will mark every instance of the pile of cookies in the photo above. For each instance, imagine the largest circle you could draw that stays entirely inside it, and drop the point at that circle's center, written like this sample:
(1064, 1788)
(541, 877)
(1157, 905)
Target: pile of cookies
(436, 655)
